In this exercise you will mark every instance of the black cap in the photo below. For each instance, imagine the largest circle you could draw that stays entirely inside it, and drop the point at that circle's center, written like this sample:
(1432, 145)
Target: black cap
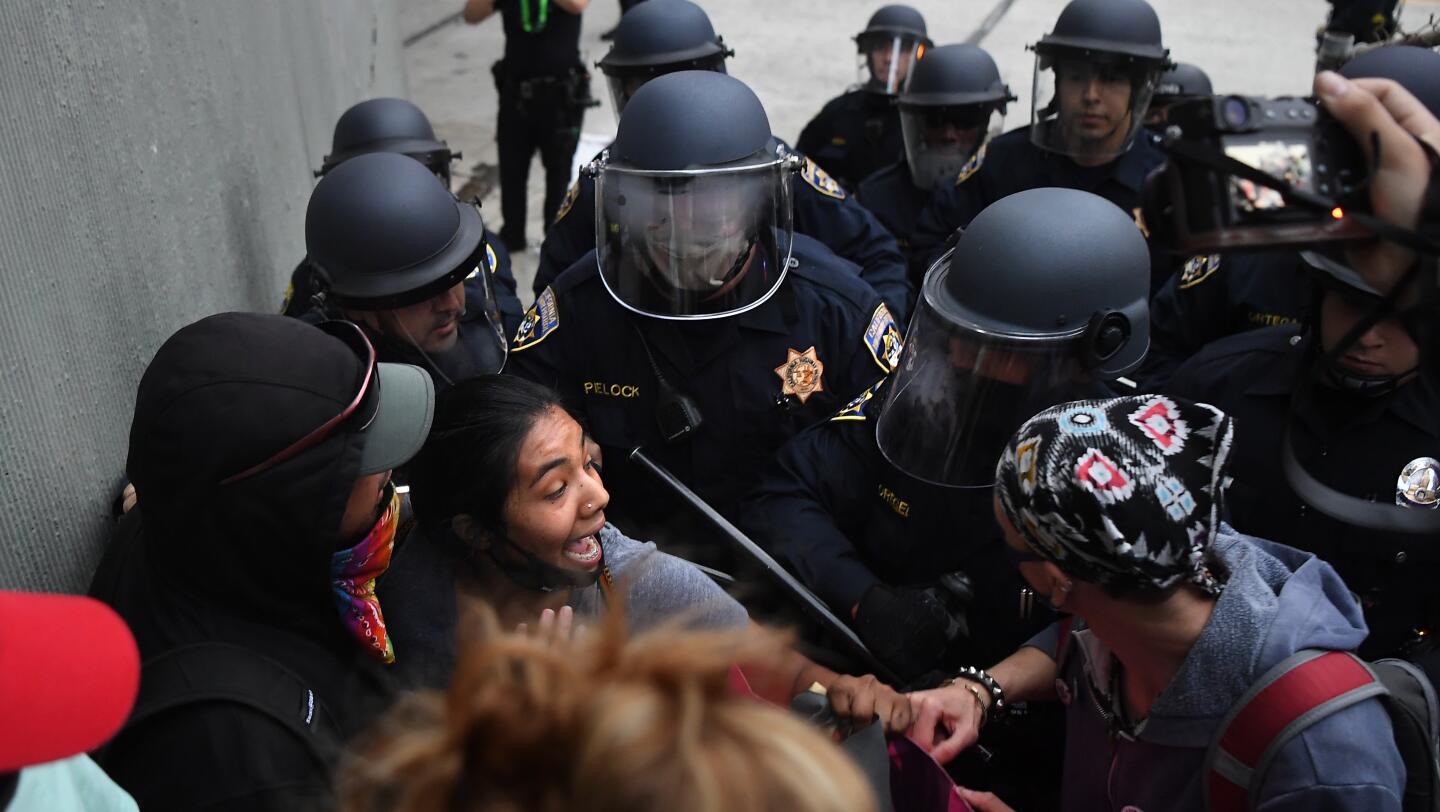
(1047, 263)
(1183, 81)
(385, 233)
(385, 125)
(896, 20)
(688, 120)
(1124, 28)
(953, 75)
(657, 33)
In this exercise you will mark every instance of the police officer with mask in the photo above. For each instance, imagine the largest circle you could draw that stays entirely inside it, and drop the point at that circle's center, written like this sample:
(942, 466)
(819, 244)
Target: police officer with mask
(701, 328)
(544, 90)
(885, 509)
(396, 125)
(954, 100)
(1355, 424)
(858, 132)
(1094, 76)
(397, 254)
(666, 36)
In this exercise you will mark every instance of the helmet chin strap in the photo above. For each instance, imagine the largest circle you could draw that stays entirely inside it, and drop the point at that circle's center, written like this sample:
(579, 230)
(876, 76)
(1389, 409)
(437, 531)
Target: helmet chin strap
(1369, 386)
(536, 575)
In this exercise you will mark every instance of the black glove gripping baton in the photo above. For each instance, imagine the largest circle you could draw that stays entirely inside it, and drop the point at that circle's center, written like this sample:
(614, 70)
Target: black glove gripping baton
(807, 600)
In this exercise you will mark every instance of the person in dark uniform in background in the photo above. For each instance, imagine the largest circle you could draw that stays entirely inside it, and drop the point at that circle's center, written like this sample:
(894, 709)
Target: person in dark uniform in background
(886, 509)
(1354, 424)
(946, 116)
(1095, 73)
(544, 91)
(665, 36)
(1181, 83)
(698, 330)
(1215, 296)
(858, 132)
(400, 256)
(396, 125)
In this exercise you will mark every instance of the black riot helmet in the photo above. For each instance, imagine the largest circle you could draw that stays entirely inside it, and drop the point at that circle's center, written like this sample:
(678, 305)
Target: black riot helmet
(954, 100)
(692, 200)
(893, 40)
(1182, 82)
(388, 125)
(659, 37)
(1095, 74)
(383, 233)
(1044, 296)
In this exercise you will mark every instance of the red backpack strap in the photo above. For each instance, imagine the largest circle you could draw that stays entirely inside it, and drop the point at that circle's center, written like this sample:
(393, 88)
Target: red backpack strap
(1303, 689)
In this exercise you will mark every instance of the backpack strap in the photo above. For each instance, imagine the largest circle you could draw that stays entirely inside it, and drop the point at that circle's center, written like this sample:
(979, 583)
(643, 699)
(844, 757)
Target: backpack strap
(1298, 692)
(202, 673)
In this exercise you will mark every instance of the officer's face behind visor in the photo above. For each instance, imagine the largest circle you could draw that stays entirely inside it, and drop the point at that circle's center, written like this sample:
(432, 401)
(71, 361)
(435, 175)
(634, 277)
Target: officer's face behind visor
(939, 141)
(693, 244)
(1089, 106)
(885, 61)
(958, 395)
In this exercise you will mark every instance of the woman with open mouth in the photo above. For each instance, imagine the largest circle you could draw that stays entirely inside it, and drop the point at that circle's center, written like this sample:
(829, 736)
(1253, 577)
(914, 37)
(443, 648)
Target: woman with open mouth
(512, 511)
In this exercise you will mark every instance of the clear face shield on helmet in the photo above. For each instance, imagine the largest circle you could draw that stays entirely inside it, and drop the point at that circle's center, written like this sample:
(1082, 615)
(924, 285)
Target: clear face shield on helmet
(1089, 104)
(939, 141)
(959, 394)
(693, 244)
(883, 61)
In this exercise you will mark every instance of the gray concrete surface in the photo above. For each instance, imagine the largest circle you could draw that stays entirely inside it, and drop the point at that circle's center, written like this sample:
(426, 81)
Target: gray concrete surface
(156, 167)
(798, 55)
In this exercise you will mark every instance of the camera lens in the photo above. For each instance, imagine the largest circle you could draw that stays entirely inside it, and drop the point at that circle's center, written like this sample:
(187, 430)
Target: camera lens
(1235, 112)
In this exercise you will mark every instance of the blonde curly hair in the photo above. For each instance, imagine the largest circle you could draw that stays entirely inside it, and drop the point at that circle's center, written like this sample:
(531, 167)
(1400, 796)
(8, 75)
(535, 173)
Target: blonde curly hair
(610, 722)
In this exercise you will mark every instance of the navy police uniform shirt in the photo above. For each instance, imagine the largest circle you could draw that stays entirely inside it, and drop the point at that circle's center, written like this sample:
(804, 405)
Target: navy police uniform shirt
(896, 202)
(821, 209)
(1214, 296)
(854, 135)
(840, 517)
(1012, 163)
(1355, 445)
(757, 377)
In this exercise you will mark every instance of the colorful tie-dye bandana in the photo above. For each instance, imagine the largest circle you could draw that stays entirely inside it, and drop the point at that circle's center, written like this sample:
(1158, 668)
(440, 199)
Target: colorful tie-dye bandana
(352, 577)
(1123, 492)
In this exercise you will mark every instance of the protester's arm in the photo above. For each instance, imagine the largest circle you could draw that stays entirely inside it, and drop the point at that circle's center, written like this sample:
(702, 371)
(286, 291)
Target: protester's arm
(476, 11)
(1380, 110)
(573, 6)
(861, 699)
(948, 720)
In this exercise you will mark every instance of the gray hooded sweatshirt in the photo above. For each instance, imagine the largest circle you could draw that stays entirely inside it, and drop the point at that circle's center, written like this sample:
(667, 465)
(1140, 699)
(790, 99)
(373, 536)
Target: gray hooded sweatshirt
(1277, 601)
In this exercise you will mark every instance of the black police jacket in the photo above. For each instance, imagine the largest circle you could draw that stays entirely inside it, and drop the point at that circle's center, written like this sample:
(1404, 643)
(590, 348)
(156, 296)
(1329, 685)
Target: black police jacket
(1354, 445)
(1012, 163)
(854, 135)
(822, 210)
(1215, 296)
(843, 519)
(579, 340)
(551, 49)
(896, 202)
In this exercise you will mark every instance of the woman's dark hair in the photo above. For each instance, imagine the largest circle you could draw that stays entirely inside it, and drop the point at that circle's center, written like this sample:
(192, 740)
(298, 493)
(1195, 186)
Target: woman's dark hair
(468, 462)
(1154, 597)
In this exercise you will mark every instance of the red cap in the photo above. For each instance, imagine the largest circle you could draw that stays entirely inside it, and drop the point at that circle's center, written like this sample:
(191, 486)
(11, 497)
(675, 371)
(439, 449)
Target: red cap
(69, 671)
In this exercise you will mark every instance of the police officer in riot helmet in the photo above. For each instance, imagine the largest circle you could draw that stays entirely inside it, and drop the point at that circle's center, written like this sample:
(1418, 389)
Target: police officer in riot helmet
(1181, 83)
(1358, 423)
(660, 37)
(954, 101)
(858, 132)
(396, 125)
(397, 254)
(1095, 74)
(701, 327)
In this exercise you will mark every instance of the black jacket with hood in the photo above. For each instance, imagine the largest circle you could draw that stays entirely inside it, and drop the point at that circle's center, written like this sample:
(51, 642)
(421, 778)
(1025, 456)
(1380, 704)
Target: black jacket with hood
(245, 563)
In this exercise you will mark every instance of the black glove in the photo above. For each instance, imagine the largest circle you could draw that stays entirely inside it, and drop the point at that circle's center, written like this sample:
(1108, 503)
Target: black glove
(908, 629)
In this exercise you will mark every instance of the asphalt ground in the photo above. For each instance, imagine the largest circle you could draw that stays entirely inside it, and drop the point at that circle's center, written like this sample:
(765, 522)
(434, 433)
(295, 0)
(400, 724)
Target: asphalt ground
(796, 56)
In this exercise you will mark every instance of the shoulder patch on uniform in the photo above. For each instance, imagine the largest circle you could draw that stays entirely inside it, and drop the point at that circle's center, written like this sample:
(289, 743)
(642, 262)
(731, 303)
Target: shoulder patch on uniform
(289, 294)
(490, 262)
(883, 338)
(1197, 269)
(569, 201)
(855, 409)
(971, 166)
(542, 319)
(821, 180)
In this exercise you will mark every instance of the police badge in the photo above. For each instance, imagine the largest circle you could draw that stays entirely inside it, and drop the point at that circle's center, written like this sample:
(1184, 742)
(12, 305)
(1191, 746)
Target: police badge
(802, 374)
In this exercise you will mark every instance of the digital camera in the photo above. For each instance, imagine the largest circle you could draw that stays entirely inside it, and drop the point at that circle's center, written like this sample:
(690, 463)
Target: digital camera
(1194, 206)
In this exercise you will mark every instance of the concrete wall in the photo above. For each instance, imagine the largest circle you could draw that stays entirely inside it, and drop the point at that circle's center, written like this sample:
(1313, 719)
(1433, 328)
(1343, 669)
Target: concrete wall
(155, 161)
